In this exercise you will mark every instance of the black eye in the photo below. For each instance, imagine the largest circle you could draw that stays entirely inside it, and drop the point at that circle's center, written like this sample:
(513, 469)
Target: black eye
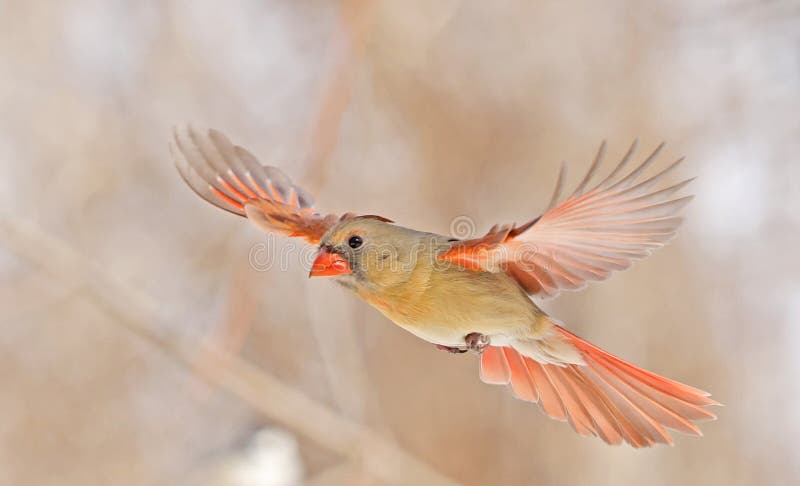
(355, 241)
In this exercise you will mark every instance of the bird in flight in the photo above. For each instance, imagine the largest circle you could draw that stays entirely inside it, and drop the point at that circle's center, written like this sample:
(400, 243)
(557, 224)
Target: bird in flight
(475, 294)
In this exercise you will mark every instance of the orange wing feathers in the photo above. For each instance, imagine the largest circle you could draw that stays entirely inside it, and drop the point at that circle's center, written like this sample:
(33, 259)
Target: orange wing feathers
(232, 179)
(587, 236)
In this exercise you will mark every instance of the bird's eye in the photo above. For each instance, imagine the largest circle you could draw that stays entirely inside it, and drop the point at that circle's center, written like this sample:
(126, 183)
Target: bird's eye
(355, 241)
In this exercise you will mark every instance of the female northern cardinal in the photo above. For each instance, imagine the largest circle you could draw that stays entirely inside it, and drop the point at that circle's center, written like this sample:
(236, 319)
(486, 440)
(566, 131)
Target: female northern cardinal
(475, 294)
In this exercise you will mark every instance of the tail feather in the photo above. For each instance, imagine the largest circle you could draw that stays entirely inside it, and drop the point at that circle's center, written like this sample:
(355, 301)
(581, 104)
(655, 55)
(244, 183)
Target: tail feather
(577, 415)
(521, 381)
(605, 396)
(550, 400)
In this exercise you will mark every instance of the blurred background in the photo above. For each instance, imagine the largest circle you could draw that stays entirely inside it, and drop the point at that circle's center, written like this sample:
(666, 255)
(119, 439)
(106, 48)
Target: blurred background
(140, 346)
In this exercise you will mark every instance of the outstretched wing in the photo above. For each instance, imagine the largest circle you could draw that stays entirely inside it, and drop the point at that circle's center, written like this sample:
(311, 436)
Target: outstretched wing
(232, 179)
(589, 235)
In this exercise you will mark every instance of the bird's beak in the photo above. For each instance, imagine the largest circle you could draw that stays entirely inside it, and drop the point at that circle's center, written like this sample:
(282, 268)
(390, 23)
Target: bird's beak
(328, 264)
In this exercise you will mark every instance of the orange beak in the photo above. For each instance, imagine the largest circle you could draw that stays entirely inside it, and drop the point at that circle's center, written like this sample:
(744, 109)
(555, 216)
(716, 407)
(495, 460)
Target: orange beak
(328, 264)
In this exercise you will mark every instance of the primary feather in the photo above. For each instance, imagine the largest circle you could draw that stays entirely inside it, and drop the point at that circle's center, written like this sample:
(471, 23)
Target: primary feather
(231, 178)
(586, 237)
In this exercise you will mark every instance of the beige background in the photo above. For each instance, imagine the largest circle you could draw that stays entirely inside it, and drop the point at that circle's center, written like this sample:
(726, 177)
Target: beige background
(117, 284)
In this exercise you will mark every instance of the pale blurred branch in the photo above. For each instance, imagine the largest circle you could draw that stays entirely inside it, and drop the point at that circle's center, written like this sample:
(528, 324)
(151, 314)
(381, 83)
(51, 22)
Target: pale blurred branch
(356, 19)
(230, 335)
(338, 345)
(347, 472)
(139, 313)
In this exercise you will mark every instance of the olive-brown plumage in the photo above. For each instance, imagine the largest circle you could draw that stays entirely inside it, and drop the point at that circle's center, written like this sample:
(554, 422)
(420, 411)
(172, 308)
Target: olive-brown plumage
(476, 294)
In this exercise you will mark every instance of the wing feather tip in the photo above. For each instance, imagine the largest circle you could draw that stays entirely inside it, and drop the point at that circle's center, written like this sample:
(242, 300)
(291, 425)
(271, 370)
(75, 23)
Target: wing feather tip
(213, 168)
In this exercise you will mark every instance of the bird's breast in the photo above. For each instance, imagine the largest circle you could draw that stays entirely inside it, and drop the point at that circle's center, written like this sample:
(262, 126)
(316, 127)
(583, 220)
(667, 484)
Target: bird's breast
(448, 306)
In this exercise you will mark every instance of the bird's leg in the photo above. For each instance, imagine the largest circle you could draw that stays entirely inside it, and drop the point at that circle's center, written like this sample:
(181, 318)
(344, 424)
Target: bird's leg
(451, 349)
(477, 341)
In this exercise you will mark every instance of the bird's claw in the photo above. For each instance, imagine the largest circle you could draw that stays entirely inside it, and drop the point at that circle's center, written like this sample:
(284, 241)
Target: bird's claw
(451, 349)
(477, 342)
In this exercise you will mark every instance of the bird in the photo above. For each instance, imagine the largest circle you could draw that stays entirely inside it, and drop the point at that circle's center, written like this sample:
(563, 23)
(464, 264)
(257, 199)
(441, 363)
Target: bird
(477, 294)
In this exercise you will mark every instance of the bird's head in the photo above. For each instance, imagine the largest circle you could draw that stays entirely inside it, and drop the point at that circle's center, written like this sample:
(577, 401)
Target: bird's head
(366, 250)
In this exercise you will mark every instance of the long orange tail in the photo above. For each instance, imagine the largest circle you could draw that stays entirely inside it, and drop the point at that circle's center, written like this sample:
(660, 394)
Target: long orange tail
(606, 397)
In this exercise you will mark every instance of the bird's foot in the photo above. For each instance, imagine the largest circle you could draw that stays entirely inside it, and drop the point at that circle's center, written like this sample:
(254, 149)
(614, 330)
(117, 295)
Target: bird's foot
(451, 349)
(477, 341)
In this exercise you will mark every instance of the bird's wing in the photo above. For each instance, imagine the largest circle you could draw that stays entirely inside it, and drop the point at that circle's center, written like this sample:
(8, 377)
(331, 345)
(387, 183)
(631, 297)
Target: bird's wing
(586, 237)
(231, 178)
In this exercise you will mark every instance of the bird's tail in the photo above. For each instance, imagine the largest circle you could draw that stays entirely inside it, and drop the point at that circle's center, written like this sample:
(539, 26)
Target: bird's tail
(603, 395)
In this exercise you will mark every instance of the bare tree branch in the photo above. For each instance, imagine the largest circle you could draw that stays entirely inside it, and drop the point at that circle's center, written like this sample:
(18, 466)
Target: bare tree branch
(138, 313)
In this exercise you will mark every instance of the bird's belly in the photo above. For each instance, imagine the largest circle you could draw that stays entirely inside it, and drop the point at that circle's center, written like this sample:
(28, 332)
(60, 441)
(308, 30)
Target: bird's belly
(431, 329)
(446, 313)
(436, 334)
(448, 336)
(448, 332)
